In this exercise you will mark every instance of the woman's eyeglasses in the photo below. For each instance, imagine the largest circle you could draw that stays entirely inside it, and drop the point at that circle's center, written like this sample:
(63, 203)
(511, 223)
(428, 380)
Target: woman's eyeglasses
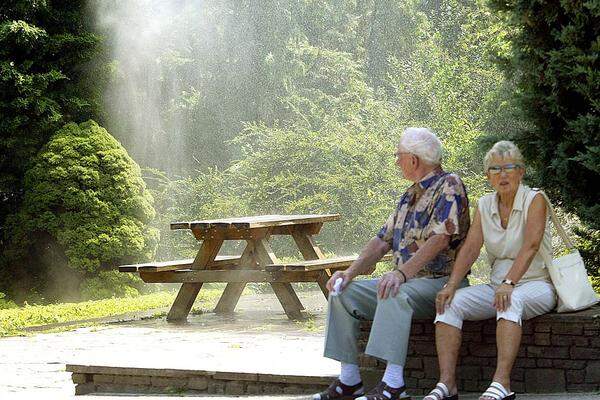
(508, 168)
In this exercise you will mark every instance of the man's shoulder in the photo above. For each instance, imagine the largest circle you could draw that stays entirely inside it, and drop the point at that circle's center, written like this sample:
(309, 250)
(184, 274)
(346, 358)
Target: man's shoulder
(453, 180)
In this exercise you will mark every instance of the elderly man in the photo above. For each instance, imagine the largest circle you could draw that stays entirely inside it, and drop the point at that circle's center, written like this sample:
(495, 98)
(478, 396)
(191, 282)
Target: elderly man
(424, 232)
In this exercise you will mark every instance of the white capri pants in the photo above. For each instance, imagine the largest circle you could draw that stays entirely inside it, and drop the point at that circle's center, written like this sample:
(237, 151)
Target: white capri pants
(475, 303)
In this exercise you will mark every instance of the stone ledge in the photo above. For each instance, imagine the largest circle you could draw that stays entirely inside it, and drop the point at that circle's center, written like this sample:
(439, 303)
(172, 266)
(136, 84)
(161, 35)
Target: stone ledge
(104, 379)
(559, 353)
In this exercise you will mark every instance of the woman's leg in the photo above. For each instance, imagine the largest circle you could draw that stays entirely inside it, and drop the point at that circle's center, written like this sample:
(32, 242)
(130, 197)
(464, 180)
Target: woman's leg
(508, 340)
(470, 303)
(447, 341)
(527, 301)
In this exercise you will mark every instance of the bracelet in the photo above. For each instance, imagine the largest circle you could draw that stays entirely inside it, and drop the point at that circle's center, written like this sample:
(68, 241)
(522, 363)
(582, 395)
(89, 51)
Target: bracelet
(403, 275)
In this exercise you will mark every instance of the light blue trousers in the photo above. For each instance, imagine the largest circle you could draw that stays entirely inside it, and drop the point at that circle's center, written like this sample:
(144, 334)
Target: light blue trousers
(391, 318)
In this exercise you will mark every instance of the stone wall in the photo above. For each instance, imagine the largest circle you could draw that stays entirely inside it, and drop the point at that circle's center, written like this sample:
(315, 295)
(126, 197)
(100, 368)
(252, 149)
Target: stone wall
(103, 379)
(559, 353)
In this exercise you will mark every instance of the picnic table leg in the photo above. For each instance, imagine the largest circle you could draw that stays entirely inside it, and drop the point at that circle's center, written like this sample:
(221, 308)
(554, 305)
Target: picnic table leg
(307, 246)
(183, 302)
(284, 291)
(189, 291)
(322, 282)
(288, 299)
(233, 291)
(310, 251)
(291, 290)
(229, 298)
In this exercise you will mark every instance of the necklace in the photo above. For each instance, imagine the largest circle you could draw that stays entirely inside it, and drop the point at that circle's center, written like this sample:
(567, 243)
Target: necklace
(504, 219)
(507, 210)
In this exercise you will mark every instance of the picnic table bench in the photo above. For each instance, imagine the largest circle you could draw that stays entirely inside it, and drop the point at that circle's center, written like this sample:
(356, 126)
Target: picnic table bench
(257, 263)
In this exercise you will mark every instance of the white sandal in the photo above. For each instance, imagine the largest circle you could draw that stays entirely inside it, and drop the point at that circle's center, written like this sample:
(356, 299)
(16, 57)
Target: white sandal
(440, 392)
(497, 392)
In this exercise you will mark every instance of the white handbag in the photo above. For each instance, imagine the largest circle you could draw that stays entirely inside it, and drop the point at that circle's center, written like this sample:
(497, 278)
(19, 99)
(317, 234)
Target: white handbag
(568, 274)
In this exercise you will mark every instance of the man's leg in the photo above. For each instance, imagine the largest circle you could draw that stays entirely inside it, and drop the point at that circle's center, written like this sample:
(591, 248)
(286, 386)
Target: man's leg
(357, 301)
(391, 330)
(393, 316)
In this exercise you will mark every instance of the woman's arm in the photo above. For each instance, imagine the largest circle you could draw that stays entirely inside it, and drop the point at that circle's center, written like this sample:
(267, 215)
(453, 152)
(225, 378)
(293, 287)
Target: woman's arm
(468, 253)
(465, 258)
(534, 233)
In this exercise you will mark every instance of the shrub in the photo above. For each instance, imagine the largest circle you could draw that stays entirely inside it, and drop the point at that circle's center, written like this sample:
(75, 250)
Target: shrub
(86, 209)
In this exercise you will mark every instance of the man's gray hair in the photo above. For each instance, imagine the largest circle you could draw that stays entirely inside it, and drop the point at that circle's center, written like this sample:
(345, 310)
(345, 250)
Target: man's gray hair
(503, 149)
(422, 143)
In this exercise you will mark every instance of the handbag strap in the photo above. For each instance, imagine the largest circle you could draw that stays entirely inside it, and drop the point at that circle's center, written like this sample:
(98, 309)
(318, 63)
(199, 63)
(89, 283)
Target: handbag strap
(561, 231)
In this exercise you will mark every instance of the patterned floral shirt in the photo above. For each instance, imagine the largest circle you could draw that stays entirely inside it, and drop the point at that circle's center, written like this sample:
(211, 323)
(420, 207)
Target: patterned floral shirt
(438, 204)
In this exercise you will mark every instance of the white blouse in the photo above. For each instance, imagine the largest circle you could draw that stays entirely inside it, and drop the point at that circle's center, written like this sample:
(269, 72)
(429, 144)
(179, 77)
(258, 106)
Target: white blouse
(503, 245)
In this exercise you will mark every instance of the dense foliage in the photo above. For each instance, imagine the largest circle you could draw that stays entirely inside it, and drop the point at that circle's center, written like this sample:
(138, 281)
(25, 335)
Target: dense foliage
(556, 46)
(45, 48)
(243, 107)
(85, 211)
(331, 148)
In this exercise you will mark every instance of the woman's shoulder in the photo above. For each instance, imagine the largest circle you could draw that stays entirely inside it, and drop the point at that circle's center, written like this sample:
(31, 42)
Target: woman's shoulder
(529, 194)
(486, 200)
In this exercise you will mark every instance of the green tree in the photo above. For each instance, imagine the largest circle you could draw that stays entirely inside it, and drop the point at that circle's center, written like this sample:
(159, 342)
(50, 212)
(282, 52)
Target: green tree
(555, 59)
(328, 146)
(44, 50)
(333, 152)
(449, 82)
(85, 211)
(210, 67)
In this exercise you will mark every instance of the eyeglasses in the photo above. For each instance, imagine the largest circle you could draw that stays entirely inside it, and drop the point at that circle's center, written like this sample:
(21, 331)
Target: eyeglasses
(508, 168)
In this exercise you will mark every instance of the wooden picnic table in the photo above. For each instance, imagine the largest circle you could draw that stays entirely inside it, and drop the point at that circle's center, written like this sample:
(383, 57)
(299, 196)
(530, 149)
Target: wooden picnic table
(257, 262)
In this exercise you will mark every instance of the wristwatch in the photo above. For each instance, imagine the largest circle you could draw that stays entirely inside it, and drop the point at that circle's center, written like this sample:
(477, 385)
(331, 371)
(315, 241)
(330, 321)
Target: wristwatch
(508, 282)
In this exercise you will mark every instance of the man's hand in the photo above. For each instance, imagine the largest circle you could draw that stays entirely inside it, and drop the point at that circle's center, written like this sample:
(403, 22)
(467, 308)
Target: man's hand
(444, 297)
(347, 278)
(389, 284)
(502, 297)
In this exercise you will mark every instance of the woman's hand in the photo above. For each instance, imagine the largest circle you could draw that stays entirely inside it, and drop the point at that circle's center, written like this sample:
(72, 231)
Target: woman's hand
(389, 284)
(346, 279)
(502, 297)
(444, 297)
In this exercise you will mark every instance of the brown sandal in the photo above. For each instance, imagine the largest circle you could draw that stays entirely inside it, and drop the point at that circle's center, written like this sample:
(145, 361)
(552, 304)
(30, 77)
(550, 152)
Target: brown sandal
(384, 392)
(338, 391)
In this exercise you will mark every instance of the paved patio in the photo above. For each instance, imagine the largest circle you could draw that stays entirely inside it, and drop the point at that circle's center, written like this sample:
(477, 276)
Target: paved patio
(258, 338)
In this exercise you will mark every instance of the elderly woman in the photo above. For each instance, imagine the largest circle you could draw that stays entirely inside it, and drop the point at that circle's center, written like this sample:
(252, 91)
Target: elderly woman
(511, 223)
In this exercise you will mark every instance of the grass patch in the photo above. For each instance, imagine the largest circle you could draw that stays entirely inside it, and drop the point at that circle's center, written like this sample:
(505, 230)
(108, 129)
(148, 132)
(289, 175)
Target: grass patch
(310, 325)
(14, 320)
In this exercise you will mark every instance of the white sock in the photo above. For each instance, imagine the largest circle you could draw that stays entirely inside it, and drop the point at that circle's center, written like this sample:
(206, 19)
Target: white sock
(350, 374)
(394, 375)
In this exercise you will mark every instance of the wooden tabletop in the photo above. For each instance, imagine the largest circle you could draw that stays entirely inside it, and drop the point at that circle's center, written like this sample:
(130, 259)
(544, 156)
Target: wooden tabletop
(259, 221)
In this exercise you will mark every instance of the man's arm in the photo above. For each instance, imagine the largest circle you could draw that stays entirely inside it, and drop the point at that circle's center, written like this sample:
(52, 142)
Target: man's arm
(432, 247)
(391, 281)
(373, 251)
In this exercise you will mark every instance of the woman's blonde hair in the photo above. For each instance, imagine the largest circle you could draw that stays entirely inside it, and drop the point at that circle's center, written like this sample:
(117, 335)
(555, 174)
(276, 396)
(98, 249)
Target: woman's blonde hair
(503, 149)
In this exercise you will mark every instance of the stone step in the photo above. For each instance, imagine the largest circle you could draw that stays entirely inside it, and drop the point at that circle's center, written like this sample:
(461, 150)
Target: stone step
(106, 379)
